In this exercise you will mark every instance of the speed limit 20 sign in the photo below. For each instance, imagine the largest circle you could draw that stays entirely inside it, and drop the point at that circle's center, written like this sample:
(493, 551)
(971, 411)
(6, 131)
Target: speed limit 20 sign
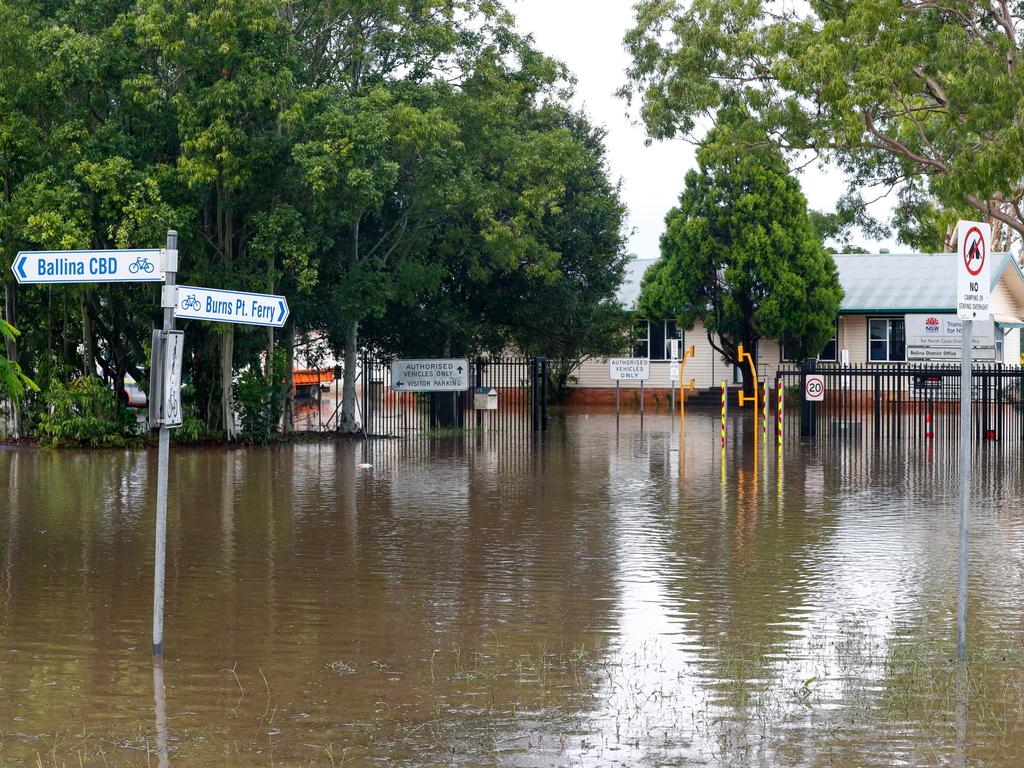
(814, 388)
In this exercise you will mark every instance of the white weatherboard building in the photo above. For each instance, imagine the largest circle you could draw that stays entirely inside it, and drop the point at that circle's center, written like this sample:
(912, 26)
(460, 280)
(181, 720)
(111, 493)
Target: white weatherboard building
(891, 303)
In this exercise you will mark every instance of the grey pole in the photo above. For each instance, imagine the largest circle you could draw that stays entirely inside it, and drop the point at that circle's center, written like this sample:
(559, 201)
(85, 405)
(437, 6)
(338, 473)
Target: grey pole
(965, 488)
(672, 421)
(616, 405)
(160, 551)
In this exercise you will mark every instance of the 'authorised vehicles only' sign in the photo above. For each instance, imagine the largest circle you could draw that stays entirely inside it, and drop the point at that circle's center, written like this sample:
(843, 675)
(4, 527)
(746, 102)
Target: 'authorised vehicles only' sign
(436, 375)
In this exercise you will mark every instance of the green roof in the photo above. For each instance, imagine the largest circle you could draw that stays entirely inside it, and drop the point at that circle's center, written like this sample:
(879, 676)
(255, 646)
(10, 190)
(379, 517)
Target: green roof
(904, 282)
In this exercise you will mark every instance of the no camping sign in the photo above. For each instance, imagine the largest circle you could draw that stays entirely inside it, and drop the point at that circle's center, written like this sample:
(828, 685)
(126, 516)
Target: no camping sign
(973, 269)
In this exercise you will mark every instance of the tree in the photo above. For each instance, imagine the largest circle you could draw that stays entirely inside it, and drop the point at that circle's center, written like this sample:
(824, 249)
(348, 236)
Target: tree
(916, 92)
(739, 253)
(530, 252)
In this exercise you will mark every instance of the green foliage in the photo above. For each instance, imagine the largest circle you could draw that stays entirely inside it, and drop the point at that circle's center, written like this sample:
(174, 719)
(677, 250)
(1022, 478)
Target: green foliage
(259, 401)
(85, 414)
(408, 174)
(897, 93)
(253, 401)
(13, 382)
(740, 254)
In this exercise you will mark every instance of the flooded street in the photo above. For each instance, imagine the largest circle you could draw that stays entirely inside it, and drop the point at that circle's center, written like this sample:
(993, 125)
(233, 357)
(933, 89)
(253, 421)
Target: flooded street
(594, 599)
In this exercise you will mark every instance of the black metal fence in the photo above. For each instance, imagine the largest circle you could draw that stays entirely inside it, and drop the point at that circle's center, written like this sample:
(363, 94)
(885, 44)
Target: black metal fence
(513, 399)
(915, 402)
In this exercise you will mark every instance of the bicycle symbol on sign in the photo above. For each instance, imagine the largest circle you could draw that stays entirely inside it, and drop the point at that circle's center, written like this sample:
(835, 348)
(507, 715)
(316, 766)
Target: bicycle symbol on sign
(141, 264)
(190, 302)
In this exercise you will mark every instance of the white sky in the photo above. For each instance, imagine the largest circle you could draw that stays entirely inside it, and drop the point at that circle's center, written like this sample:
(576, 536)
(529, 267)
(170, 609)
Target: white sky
(587, 36)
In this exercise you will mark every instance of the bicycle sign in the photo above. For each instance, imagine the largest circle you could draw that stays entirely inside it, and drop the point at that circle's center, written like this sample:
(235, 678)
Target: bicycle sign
(190, 302)
(141, 264)
(814, 388)
(117, 266)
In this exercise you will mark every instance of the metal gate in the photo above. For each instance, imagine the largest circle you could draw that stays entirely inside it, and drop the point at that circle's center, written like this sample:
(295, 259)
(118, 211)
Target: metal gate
(519, 385)
(904, 402)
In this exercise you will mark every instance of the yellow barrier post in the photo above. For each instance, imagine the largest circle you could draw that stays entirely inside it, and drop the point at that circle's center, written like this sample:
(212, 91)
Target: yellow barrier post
(764, 413)
(682, 399)
(743, 398)
(724, 401)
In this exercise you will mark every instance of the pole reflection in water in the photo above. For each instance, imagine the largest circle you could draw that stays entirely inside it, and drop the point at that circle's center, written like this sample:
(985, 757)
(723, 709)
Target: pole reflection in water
(160, 709)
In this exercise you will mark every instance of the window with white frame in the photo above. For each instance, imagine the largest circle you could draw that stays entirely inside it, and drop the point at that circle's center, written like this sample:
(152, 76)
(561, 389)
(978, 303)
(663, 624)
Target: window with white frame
(886, 340)
(641, 339)
(830, 352)
(653, 339)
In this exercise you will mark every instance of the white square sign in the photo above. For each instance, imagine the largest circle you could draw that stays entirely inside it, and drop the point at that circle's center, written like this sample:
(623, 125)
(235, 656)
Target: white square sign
(973, 269)
(629, 368)
(174, 348)
(814, 388)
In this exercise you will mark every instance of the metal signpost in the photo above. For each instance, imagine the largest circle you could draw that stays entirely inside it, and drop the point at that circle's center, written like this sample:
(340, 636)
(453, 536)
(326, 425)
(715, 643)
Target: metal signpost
(222, 306)
(629, 369)
(673, 377)
(155, 265)
(164, 444)
(136, 265)
(973, 289)
(131, 266)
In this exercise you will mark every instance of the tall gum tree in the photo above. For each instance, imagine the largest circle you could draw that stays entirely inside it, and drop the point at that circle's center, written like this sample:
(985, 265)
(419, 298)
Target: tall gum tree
(900, 94)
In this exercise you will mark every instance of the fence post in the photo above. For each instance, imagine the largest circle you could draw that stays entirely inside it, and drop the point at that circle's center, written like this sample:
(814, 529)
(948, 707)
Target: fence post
(544, 394)
(534, 392)
(366, 396)
(479, 382)
(878, 406)
(999, 401)
(808, 428)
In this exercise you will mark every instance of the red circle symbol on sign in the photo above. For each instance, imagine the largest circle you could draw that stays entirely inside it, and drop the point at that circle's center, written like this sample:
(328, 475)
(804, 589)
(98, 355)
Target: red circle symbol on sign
(974, 251)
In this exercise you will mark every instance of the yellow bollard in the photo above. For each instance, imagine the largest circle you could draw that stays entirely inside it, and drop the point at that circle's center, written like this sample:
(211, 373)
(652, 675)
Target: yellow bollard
(743, 355)
(764, 414)
(724, 402)
(682, 367)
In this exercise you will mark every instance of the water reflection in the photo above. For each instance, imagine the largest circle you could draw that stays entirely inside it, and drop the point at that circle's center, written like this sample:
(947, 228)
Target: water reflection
(595, 597)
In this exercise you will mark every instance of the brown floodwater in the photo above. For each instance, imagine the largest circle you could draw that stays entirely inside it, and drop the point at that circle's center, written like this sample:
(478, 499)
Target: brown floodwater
(592, 598)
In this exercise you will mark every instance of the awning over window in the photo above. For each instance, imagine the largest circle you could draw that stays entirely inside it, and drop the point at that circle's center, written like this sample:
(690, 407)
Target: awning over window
(1007, 321)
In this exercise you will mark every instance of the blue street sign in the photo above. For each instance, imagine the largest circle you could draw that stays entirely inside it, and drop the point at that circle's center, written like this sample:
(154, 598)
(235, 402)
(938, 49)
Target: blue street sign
(134, 265)
(231, 306)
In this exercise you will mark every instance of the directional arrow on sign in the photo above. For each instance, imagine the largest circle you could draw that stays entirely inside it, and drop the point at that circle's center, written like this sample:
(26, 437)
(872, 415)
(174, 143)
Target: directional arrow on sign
(222, 306)
(135, 265)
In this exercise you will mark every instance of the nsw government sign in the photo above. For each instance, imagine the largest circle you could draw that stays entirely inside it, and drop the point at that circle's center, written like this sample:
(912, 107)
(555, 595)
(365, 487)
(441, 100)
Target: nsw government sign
(118, 266)
(439, 375)
(231, 306)
(939, 338)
